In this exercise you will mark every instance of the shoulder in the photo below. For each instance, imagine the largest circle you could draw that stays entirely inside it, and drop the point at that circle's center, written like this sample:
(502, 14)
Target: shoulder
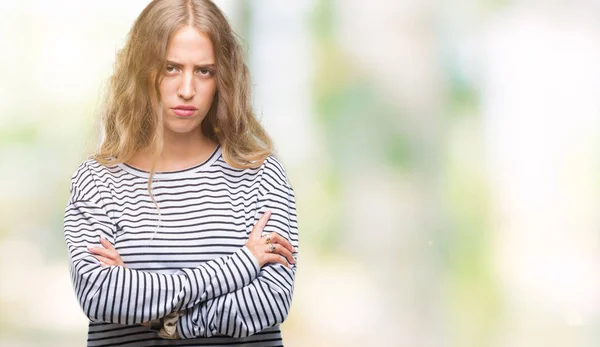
(271, 166)
(274, 178)
(274, 171)
(91, 168)
(85, 178)
(269, 173)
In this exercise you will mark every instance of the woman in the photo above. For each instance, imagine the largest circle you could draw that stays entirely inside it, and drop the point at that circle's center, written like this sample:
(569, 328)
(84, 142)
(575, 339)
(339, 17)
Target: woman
(181, 229)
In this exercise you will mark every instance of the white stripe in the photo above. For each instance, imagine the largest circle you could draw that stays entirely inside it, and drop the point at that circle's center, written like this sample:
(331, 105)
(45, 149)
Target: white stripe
(195, 260)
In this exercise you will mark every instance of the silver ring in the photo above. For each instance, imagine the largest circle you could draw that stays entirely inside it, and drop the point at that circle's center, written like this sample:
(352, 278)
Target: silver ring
(271, 247)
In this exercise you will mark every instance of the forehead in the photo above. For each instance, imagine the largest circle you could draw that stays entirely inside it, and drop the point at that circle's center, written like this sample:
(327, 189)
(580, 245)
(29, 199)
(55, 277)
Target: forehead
(189, 45)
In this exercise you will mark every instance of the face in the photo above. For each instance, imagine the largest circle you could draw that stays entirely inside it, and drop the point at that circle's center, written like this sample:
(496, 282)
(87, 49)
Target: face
(188, 85)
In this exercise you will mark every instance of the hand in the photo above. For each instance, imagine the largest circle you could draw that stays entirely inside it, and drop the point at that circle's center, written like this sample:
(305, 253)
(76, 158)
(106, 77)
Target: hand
(108, 255)
(271, 247)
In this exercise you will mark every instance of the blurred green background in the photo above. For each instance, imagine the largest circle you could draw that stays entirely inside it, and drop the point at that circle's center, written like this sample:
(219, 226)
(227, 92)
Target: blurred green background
(444, 154)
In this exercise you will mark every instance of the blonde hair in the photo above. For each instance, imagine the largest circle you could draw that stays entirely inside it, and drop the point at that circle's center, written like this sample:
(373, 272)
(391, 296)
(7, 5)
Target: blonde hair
(133, 118)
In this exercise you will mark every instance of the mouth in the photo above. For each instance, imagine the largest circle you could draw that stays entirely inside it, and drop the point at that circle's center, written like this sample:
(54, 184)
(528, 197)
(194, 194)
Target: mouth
(184, 111)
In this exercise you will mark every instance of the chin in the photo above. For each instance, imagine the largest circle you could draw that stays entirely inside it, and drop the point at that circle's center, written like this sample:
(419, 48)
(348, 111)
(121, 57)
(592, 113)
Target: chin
(182, 128)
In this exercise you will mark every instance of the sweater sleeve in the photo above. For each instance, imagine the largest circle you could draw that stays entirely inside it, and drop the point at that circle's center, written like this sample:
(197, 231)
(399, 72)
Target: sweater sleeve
(120, 295)
(264, 302)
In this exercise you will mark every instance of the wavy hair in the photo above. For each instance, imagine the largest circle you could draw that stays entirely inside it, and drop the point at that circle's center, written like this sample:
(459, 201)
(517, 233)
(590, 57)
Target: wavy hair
(132, 119)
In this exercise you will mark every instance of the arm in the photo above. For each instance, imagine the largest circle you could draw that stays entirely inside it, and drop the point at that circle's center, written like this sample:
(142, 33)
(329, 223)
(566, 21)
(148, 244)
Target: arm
(265, 302)
(119, 295)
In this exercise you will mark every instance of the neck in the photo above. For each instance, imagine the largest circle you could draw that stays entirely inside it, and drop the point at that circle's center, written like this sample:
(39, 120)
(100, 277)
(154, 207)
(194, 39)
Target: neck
(179, 151)
(185, 147)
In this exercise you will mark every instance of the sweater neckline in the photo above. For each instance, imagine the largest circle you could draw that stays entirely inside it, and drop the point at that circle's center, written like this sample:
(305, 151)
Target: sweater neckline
(177, 173)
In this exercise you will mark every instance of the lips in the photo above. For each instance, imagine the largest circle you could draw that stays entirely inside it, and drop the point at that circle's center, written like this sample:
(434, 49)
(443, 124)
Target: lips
(183, 110)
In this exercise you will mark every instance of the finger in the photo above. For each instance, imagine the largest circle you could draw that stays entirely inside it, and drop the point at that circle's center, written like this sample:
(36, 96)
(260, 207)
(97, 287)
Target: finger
(275, 258)
(112, 252)
(260, 225)
(103, 252)
(105, 260)
(106, 244)
(282, 241)
(284, 252)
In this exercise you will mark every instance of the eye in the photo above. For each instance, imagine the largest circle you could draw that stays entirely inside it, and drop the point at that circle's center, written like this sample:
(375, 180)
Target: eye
(205, 72)
(170, 69)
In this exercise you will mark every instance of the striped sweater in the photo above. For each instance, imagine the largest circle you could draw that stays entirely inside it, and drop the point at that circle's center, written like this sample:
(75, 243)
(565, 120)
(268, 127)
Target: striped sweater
(189, 259)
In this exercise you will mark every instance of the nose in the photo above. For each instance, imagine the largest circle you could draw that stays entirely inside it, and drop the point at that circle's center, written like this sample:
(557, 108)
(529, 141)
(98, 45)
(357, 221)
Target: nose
(186, 87)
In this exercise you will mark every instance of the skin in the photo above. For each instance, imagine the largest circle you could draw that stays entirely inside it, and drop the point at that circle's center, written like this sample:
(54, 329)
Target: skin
(109, 256)
(189, 79)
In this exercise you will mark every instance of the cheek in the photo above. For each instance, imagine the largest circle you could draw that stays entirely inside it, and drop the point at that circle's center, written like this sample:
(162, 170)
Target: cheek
(166, 88)
(204, 89)
(208, 89)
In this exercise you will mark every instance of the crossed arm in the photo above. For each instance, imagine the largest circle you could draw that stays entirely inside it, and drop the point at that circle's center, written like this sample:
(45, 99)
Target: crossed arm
(250, 301)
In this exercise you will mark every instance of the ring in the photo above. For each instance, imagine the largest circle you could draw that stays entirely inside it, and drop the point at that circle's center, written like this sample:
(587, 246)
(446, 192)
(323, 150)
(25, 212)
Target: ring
(267, 238)
(271, 248)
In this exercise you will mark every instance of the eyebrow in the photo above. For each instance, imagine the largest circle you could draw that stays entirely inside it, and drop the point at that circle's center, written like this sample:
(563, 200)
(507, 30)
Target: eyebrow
(176, 64)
